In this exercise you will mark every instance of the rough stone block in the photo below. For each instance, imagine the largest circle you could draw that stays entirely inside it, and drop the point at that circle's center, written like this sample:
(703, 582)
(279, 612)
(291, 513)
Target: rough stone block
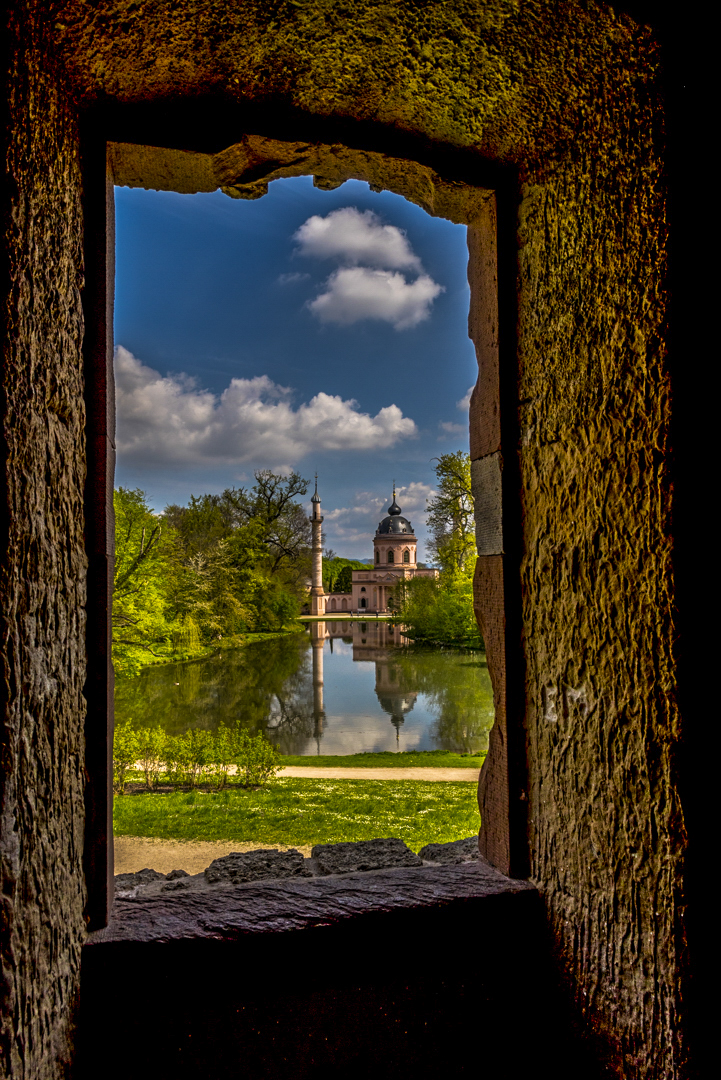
(255, 865)
(348, 858)
(457, 851)
(125, 883)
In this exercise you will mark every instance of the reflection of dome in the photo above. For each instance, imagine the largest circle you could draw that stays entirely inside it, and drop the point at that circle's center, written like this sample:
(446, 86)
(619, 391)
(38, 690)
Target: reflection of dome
(397, 705)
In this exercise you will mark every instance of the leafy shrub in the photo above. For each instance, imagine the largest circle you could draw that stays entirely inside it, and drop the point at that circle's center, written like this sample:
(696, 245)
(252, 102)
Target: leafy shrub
(177, 759)
(152, 746)
(190, 759)
(222, 756)
(200, 754)
(125, 754)
(258, 760)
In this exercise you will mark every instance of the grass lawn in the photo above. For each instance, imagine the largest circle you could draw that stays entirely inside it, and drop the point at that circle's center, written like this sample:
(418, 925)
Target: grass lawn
(298, 811)
(407, 759)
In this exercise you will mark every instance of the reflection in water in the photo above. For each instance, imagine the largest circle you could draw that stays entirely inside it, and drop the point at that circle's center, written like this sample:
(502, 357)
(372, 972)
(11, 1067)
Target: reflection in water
(341, 688)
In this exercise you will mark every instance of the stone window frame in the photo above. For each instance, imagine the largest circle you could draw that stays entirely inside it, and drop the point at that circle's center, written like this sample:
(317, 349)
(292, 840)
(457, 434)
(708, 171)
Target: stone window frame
(449, 188)
(390, 556)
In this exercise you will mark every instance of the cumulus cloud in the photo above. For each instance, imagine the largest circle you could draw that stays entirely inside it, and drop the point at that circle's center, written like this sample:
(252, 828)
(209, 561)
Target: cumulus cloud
(465, 402)
(354, 293)
(453, 429)
(353, 526)
(169, 419)
(356, 236)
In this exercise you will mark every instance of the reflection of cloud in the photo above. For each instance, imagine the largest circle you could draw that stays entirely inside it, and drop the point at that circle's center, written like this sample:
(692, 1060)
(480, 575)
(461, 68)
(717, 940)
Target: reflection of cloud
(170, 420)
(465, 402)
(356, 524)
(354, 293)
(356, 236)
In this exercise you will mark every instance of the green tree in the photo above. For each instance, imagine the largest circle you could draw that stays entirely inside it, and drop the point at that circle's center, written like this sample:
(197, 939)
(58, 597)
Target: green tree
(441, 609)
(143, 553)
(450, 514)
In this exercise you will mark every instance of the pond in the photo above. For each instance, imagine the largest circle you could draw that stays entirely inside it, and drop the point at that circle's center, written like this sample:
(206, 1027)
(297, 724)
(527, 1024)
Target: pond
(343, 687)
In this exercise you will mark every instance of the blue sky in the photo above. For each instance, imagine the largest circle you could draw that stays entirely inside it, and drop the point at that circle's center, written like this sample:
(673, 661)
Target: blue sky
(312, 330)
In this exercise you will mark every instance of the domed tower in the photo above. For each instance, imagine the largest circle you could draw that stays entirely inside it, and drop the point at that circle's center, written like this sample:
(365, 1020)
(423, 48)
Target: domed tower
(394, 543)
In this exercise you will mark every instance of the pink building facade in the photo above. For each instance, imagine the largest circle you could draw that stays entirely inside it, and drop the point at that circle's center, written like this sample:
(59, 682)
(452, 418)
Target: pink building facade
(394, 558)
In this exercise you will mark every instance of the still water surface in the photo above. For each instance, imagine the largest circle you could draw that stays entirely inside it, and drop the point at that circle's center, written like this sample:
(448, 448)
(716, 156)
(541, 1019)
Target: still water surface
(341, 688)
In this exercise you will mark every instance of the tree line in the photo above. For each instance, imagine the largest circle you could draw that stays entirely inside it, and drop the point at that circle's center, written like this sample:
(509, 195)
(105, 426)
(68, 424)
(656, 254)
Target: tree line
(231, 564)
(199, 574)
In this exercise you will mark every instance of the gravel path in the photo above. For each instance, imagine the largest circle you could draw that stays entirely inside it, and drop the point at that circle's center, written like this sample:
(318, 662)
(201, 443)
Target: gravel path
(133, 853)
(421, 773)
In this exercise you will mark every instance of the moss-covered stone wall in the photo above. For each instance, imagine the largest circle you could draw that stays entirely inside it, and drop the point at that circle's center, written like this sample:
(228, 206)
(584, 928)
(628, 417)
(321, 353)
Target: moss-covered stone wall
(558, 104)
(42, 575)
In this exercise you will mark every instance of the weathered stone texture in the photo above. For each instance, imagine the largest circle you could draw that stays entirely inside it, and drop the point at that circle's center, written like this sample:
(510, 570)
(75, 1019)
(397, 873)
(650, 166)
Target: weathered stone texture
(349, 858)
(42, 578)
(256, 865)
(563, 97)
(606, 829)
(457, 851)
(228, 912)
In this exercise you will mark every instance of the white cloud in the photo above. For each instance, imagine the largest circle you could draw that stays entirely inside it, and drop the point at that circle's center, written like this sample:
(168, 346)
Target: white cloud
(168, 419)
(292, 279)
(465, 402)
(356, 236)
(354, 293)
(453, 429)
(353, 527)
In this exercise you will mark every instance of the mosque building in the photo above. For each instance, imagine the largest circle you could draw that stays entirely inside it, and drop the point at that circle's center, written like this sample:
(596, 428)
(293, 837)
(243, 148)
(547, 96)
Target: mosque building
(394, 559)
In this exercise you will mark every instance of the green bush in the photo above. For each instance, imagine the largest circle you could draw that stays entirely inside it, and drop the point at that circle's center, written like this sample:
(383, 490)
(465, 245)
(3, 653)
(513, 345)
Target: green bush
(125, 754)
(196, 757)
(152, 746)
(257, 760)
(222, 758)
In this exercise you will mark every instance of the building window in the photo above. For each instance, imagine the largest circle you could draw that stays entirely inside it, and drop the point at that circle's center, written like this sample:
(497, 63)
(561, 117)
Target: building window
(343, 605)
(363, 602)
(378, 556)
(363, 588)
(390, 556)
(406, 556)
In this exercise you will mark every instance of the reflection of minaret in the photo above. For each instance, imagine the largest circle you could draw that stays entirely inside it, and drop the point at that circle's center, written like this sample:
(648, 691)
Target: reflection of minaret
(317, 640)
(317, 595)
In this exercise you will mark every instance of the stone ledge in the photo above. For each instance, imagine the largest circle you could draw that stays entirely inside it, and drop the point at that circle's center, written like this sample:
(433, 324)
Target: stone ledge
(231, 912)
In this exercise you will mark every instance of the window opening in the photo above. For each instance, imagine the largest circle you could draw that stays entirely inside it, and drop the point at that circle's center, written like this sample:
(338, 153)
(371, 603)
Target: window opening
(190, 517)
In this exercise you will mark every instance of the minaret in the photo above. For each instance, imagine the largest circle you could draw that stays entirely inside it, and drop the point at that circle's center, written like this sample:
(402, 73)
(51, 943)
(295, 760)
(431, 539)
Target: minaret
(317, 595)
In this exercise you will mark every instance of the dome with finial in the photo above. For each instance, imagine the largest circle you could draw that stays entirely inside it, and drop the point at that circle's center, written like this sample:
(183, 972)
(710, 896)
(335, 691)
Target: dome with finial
(315, 497)
(394, 523)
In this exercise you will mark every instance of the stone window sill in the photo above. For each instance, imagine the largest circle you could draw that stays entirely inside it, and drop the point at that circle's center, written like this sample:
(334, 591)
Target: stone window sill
(231, 912)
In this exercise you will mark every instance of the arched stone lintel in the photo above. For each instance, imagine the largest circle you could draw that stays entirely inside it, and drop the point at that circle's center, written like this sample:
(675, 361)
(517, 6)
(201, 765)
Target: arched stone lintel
(244, 170)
